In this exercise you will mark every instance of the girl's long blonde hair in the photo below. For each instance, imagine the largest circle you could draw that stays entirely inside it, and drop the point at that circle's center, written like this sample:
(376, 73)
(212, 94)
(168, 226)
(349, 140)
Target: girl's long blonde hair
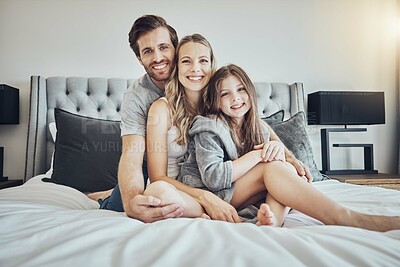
(182, 111)
(251, 130)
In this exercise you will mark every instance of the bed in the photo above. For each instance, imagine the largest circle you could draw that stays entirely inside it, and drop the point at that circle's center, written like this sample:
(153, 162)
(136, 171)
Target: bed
(55, 224)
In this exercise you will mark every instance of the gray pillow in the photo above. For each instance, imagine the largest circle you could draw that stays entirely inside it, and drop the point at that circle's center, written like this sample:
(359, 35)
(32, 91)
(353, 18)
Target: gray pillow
(274, 118)
(293, 134)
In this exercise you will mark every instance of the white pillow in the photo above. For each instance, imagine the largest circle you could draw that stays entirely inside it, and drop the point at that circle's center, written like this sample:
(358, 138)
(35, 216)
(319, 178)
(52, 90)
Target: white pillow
(53, 132)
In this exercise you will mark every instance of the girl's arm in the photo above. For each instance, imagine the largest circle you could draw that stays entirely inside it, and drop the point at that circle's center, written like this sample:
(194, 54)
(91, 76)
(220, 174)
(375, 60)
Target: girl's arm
(216, 171)
(246, 162)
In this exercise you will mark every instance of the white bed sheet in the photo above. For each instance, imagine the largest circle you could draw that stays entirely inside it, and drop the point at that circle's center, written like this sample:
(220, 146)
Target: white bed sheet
(44, 224)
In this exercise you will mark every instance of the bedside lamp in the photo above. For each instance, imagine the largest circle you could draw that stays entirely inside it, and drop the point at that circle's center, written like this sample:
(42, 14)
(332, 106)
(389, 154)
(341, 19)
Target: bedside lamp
(9, 114)
(346, 108)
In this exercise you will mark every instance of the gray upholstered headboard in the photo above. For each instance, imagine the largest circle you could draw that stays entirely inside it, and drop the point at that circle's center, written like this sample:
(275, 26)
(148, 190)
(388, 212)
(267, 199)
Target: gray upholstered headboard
(101, 98)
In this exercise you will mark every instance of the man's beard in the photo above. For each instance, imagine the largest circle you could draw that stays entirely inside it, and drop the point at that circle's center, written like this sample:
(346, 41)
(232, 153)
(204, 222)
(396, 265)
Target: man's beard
(164, 77)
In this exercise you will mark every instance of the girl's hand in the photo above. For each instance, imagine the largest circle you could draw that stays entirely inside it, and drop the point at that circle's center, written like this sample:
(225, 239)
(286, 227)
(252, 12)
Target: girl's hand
(272, 150)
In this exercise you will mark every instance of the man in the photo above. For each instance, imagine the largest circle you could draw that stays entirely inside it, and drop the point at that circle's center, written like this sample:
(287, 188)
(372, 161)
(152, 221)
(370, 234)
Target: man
(153, 42)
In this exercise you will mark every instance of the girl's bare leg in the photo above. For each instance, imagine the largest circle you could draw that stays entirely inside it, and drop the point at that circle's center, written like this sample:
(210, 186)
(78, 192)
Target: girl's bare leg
(270, 213)
(168, 194)
(280, 211)
(288, 189)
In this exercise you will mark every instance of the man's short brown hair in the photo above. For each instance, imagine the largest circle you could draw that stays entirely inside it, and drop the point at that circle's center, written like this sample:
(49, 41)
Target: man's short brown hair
(145, 24)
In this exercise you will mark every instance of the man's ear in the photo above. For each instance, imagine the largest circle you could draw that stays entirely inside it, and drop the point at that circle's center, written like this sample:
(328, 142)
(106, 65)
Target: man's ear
(140, 61)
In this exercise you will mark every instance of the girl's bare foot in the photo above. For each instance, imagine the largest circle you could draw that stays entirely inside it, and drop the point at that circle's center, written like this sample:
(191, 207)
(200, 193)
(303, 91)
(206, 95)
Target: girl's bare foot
(265, 216)
(100, 195)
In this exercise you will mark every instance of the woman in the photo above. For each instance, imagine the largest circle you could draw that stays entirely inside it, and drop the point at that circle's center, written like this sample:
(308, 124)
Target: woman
(169, 119)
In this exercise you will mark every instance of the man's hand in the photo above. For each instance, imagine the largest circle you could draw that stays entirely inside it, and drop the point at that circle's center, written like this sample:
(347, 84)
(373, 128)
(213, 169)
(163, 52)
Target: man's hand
(148, 209)
(218, 209)
(301, 168)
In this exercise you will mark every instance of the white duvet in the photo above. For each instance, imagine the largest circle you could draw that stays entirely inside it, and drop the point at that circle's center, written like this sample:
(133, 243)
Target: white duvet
(43, 224)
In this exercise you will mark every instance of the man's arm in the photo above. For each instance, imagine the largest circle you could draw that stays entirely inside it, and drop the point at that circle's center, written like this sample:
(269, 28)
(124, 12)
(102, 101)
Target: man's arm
(301, 168)
(131, 182)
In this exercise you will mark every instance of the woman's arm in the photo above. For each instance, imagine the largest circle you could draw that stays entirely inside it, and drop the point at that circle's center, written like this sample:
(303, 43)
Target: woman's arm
(158, 123)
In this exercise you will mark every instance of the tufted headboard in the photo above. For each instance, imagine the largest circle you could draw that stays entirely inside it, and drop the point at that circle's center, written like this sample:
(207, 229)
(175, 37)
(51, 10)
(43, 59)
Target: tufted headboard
(101, 98)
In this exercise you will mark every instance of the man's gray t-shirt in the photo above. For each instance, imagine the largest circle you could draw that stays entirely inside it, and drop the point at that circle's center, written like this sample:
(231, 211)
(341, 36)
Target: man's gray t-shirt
(135, 105)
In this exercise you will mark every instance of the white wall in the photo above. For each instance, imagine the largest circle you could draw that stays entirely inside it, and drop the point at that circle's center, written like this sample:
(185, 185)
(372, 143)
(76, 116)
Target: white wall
(327, 45)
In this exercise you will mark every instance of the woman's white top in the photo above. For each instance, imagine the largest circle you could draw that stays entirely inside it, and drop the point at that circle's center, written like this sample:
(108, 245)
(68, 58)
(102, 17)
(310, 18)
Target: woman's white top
(175, 151)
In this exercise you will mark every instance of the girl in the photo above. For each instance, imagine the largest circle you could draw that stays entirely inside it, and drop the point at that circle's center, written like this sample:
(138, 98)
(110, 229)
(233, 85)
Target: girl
(223, 145)
(223, 148)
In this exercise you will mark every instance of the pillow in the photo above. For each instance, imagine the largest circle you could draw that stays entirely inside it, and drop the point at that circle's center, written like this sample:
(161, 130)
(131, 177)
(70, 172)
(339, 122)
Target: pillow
(293, 134)
(274, 118)
(87, 152)
(53, 132)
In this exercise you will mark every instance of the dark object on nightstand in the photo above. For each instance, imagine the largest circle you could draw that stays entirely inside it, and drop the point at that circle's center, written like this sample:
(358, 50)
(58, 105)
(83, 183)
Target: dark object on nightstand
(2, 178)
(9, 114)
(346, 108)
(10, 183)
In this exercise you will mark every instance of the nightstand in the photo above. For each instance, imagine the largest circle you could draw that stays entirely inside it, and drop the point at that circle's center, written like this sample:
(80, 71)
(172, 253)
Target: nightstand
(10, 183)
(390, 181)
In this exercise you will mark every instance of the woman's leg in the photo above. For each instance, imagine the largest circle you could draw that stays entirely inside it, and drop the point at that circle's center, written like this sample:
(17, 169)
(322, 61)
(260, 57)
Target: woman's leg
(168, 194)
(288, 189)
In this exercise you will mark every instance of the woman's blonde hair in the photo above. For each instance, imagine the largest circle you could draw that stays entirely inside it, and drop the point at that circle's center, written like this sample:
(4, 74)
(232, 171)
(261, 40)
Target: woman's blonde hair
(182, 111)
(251, 130)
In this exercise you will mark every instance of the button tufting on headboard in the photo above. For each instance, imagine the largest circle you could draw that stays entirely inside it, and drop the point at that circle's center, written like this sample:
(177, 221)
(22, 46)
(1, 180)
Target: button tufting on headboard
(101, 98)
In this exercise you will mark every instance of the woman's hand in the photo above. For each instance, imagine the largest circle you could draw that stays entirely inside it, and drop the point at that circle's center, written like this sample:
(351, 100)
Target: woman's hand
(218, 209)
(272, 150)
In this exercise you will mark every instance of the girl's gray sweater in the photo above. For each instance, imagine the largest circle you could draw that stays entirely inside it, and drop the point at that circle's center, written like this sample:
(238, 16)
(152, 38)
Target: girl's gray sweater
(208, 163)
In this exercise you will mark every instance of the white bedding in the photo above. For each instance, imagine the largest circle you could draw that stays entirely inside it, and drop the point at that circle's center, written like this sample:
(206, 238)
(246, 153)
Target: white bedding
(44, 224)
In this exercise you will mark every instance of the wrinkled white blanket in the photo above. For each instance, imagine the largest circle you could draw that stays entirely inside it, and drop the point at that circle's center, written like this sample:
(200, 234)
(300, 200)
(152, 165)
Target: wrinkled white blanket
(44, 224)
